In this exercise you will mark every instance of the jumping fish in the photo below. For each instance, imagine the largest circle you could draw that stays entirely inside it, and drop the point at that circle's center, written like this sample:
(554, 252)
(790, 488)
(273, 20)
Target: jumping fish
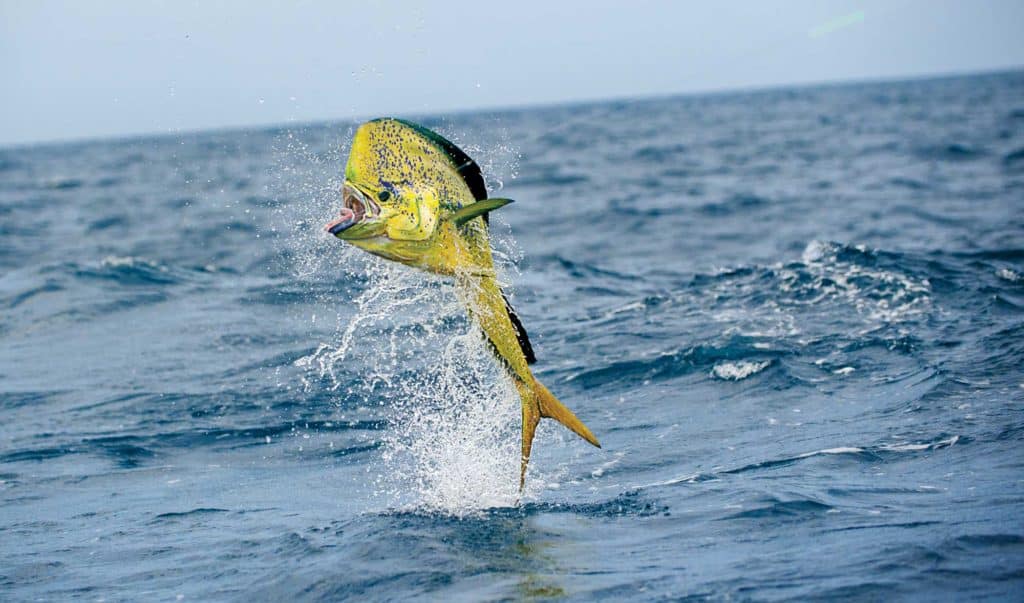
(411, 196)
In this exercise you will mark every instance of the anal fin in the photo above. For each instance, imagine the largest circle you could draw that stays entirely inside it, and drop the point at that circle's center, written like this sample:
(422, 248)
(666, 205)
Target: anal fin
(524, 339)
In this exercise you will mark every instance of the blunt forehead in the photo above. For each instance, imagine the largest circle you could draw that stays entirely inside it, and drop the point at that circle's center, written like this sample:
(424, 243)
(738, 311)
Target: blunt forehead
(389, 155)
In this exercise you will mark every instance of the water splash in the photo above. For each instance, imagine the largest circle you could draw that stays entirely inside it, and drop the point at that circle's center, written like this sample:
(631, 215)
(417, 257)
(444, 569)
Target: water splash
(453, 439)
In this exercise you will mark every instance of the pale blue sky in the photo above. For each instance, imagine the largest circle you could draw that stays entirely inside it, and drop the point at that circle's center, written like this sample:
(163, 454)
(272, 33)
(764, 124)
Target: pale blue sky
(93, 69)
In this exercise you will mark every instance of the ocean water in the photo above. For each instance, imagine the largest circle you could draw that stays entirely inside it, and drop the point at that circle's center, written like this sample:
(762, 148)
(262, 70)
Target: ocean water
(794, 318)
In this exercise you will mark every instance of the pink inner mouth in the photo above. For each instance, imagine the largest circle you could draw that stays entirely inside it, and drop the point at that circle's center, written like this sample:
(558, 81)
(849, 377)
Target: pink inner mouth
(346, 215)
(352, 212)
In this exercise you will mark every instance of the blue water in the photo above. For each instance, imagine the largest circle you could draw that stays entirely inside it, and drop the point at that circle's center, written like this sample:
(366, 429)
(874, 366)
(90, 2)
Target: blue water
(795, 319)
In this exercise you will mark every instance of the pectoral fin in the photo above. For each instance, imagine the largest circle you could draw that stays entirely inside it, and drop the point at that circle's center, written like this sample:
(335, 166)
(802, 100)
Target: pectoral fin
(479, 208)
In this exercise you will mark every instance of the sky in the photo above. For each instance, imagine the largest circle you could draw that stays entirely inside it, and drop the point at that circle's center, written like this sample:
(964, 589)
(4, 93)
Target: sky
(73, 70)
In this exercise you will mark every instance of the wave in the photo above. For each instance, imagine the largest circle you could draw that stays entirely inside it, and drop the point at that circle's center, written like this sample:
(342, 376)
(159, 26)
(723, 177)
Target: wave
(737, 371)
(669, 365)
(134, 450)
(774, 508)
(878, 453)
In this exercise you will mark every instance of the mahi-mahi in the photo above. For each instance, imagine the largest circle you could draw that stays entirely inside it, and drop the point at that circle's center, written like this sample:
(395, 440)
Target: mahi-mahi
(412, 196)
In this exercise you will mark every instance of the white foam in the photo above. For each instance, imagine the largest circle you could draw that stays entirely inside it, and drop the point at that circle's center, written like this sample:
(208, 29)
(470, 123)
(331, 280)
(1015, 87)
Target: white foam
(839, 450)
(114, 261)
(1009, 275)
(735, 371)
(815, 251)
(917, 447)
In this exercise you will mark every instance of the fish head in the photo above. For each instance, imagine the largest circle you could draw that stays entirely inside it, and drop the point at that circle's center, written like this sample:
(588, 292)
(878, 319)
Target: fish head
(374, 211)
(400, 181)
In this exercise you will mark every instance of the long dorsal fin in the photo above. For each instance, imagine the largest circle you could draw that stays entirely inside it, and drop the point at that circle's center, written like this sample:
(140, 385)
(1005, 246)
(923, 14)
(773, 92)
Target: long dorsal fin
(524, 339)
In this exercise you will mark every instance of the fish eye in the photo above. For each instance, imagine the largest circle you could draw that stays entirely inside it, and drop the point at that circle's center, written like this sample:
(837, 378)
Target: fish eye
(384, 195)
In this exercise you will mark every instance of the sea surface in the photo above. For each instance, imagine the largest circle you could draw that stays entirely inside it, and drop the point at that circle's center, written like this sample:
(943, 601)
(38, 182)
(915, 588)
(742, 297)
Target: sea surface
(794, 318)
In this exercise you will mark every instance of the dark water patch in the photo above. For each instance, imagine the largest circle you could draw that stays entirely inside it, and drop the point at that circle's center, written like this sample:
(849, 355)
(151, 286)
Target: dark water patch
(108, 182)
(193, 513)
(36, 454)
(909, 183)
(128, 271)
(736, 204)
(773, 508)
(252, 339)
(632, 503)
(582, 270)
(1011, 254)
(953, 152)
(180, 202)
(660, 153)
(104, 309)
(8, 163)
(1014, 158)
(978, 542)
(1011, 432)
(63, 184)
(910, 525)
(551, 178)
(125, 161)
(620, 208)
(127, 455)
(125, 450)
(233, 436)
(870, 590)
(107, 222)
(353, 450)
(50, 286)
(135, 449)
(923, 214)
(363, 586)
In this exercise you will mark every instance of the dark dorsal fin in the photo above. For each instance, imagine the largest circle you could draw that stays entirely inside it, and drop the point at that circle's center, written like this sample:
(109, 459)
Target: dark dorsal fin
(464, 164)
(524, 339)
(471, 175)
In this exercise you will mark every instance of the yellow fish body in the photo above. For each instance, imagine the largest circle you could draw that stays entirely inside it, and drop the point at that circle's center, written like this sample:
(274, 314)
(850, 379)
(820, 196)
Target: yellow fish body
(413, 197)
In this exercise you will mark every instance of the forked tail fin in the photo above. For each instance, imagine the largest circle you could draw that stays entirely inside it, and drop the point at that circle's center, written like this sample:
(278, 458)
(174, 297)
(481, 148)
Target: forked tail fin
(547, 406)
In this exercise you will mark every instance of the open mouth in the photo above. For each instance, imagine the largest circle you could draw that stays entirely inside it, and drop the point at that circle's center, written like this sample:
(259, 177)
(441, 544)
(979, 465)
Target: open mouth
(354, 210)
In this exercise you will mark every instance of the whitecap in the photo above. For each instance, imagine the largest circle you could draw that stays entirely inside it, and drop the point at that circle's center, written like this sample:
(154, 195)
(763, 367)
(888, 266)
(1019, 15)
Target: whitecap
(1010, 275)
(735, 371)
(839, 450)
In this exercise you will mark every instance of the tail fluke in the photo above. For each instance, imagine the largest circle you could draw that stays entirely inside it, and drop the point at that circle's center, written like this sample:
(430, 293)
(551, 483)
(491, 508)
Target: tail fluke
(531, 417)
(547, 406)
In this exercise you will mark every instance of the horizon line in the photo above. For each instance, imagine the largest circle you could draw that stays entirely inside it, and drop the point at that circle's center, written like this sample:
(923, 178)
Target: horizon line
(459, 111)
